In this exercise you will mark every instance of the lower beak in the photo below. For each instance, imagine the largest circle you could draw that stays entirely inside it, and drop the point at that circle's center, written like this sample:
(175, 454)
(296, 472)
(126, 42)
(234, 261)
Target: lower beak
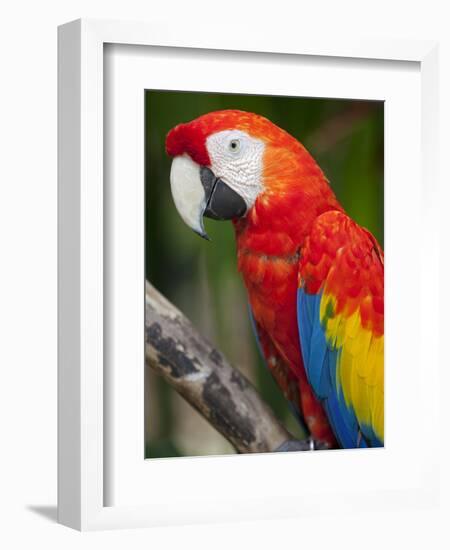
(197, 192)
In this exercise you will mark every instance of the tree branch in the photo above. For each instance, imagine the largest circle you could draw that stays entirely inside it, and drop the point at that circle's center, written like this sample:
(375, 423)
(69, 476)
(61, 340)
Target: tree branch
(202, 375)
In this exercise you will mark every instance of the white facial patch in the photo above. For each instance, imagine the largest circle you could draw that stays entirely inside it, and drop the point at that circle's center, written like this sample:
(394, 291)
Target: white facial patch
(188, 192)
(237, 159)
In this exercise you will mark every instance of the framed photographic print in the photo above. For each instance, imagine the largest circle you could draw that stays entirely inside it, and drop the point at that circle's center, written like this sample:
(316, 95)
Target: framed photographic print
(271, 227)
(232, 253)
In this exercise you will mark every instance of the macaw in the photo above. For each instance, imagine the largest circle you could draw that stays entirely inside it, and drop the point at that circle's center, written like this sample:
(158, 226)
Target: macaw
(314, 277)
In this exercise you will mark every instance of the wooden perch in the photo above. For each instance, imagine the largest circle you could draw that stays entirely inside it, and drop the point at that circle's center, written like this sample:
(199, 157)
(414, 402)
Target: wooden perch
(202, 375)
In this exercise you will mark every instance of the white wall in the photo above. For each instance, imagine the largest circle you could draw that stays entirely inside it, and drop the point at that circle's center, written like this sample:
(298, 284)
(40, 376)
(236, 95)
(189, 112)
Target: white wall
(28, 267)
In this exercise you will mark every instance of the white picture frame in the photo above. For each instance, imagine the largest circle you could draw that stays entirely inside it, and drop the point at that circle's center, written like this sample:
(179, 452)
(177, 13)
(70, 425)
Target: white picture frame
(82, 482)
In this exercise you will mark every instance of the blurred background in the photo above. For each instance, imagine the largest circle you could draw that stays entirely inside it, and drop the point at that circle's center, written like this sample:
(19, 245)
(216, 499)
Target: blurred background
(200, 278)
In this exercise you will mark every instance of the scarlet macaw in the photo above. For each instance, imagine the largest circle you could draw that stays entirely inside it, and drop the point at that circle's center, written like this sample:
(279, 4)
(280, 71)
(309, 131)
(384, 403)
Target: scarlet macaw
(315, 278)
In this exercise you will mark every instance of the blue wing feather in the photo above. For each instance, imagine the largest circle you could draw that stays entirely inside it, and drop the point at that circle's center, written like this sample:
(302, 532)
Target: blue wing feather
(320, 364)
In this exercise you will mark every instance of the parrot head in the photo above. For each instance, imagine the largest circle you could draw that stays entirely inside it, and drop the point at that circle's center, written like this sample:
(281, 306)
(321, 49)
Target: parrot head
(232, 164)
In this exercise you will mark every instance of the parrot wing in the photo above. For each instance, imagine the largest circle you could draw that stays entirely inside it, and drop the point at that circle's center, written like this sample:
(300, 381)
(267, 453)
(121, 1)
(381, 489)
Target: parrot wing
(340, 313)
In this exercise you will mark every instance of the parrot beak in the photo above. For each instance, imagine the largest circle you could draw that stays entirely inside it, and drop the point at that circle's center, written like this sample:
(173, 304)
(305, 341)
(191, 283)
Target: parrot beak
(197, 192)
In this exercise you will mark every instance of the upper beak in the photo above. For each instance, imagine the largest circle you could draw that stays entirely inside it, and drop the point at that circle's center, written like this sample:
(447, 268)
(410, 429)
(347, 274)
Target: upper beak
(197, 192)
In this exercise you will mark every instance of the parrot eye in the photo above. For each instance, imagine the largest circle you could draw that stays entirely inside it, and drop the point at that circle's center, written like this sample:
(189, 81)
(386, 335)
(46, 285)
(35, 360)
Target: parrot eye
(234, 145)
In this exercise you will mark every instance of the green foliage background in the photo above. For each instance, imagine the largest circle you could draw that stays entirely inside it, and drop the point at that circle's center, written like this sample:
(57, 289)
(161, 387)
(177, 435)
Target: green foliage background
(346, 137)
